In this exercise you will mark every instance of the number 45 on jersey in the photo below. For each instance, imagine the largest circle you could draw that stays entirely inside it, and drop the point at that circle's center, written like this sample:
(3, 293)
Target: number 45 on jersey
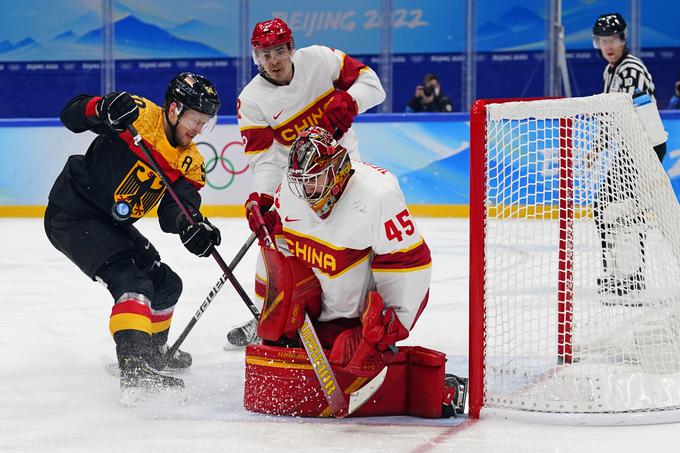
(403, 225)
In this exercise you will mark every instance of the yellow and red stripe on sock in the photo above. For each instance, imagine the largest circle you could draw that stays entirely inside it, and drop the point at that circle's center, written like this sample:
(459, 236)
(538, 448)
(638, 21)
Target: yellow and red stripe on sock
(161, 319)
(131, 313)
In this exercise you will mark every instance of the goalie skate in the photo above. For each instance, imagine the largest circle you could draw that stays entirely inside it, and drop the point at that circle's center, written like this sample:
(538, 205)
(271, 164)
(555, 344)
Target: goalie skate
(243, 335)
(456, 396)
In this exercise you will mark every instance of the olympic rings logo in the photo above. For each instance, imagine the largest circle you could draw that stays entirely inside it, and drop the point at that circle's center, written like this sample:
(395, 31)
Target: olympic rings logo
(211, 164)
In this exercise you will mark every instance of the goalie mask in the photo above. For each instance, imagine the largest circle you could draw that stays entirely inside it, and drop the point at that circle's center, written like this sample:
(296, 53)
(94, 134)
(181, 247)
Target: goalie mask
(318, 169)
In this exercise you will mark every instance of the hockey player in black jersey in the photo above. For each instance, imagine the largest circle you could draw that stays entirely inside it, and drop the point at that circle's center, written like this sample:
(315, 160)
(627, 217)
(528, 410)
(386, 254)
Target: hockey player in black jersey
(624, 73)
(100, 195)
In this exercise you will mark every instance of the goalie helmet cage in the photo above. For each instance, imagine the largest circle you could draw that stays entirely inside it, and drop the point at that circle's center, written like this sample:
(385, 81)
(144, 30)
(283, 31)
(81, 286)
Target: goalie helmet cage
(574, 271)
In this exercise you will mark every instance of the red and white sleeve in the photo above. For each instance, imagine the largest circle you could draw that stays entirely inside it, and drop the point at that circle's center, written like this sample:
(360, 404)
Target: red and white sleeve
(258, 140)
(402, 265)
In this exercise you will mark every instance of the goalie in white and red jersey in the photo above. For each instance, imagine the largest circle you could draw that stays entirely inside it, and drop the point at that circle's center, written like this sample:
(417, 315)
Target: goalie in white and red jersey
(294, 89)
(352, 257)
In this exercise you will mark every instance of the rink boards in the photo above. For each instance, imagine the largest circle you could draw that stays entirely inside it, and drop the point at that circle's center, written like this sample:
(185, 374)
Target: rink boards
(429, 154)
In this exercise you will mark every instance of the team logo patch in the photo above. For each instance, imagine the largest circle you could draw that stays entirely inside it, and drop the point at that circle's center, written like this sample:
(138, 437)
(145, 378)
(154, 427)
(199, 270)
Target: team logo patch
(140, 190)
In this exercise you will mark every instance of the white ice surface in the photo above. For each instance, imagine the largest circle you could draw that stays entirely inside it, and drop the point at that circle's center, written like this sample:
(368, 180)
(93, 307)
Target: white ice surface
(56, 395)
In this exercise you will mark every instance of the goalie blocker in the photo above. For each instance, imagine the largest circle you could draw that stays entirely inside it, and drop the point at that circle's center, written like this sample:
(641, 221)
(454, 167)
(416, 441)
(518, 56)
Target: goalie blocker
(281, 381)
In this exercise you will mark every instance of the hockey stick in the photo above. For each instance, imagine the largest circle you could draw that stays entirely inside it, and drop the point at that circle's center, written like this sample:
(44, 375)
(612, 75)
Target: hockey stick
(137, 139)
(322, 367)
(267, 240)
(213, 292)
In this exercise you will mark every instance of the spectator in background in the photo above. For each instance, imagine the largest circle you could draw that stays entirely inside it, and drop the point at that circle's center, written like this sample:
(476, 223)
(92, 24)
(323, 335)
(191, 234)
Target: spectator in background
(429, 98)
(674, 103)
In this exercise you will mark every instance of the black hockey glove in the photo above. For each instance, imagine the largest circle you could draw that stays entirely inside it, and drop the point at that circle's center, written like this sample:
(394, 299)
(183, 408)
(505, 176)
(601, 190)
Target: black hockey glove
(199, 238)
(118, 110)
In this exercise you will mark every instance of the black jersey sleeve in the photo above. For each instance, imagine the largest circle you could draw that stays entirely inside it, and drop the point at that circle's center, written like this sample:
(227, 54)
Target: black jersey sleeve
(169, 213)
(79, 115)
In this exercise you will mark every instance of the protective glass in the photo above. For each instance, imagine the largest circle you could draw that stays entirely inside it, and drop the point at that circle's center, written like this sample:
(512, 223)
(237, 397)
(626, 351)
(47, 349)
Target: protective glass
(197, 121)
(600, 41)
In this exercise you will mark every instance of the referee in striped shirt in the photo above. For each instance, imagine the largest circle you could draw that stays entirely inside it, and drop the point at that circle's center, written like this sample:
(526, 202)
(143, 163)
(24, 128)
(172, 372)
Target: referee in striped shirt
(625, 73)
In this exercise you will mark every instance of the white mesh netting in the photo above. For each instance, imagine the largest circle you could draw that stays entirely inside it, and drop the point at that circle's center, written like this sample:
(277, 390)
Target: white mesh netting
(579, 175)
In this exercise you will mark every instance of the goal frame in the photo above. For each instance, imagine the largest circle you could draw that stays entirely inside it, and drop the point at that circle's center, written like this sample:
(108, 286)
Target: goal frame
(565, 214)
(477, 247)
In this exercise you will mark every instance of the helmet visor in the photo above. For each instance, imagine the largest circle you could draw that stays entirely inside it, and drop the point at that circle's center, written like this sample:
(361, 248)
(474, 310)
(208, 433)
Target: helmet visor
(262, 56)
(197, 121)
(613, 41)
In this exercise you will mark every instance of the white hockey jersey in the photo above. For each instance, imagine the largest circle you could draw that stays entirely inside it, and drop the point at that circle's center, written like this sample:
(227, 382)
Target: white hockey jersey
(369, 241)
(270, 117)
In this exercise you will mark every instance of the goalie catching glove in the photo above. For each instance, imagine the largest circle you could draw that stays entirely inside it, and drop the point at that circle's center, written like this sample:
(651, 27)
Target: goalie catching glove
(365, 350)
(339, 113)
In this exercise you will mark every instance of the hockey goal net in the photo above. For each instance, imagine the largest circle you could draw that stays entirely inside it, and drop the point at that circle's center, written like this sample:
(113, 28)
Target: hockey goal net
(574, 265)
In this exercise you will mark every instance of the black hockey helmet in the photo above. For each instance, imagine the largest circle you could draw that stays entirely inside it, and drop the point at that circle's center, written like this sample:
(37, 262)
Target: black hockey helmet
(194, 92)
(610, 24)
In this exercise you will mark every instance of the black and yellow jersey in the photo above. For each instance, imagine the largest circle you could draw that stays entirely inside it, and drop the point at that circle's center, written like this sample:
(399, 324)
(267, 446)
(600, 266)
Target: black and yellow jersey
(114, 169)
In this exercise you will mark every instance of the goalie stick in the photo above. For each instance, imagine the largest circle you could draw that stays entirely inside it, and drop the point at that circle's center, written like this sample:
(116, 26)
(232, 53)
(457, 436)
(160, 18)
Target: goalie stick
(317, 357)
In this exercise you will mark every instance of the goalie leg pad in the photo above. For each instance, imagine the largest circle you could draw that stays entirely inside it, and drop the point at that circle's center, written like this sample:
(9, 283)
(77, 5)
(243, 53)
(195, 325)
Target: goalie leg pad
(426, 382)
(260, 281)
(292, 290)
(281, 381)
(329, 331)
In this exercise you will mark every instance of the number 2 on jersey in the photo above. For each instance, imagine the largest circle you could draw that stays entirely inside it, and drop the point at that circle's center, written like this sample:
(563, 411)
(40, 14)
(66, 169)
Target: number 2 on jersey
(392, 231)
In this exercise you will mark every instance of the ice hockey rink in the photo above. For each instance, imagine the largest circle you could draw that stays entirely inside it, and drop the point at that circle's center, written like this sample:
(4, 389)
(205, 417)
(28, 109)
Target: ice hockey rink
(57, 393)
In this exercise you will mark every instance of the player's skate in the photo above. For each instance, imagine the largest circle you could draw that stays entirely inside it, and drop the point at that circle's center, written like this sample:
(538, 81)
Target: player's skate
(455, 394)
(180, 360)
(243, 335)
(135, 373)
